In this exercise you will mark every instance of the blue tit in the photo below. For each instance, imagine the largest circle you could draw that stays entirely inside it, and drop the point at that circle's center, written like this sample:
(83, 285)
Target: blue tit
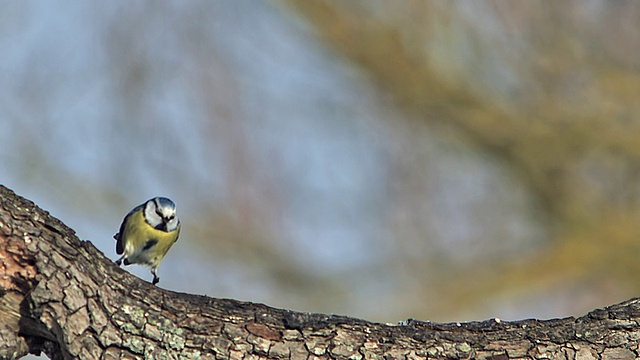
(147, 233)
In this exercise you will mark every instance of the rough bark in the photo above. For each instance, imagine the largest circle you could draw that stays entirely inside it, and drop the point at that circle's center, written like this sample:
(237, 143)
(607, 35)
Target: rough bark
(61, 296)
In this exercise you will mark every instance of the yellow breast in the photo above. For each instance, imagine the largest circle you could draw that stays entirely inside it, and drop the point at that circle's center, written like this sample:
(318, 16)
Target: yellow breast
(138, 233)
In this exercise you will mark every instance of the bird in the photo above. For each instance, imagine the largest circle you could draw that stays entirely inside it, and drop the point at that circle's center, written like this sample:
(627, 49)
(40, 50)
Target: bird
(147, 233)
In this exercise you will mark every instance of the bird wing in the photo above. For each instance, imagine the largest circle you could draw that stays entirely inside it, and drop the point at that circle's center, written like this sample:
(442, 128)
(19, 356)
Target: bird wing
(119, 236)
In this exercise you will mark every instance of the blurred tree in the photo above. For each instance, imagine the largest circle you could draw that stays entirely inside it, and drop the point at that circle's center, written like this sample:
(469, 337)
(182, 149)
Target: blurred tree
(550, 91)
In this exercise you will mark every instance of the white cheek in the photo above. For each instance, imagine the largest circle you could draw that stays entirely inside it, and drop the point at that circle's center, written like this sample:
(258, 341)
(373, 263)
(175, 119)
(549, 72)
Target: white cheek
(172, 224)
(154, 220)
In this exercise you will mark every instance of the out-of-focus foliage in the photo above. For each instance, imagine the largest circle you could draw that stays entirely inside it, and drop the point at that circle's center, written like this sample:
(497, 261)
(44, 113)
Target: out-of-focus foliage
(383, 159)
(547, 89)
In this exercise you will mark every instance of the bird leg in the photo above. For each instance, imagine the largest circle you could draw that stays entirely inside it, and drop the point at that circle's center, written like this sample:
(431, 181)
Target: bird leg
(156, 279)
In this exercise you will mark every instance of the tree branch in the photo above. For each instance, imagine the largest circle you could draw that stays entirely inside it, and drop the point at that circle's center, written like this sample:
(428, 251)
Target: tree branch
(63, 297)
